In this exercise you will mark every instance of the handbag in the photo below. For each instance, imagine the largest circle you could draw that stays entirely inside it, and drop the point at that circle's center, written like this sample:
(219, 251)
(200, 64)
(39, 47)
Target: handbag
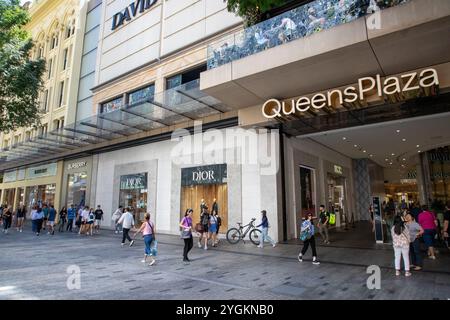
(154, 248)
(199, 228)
(186, 234)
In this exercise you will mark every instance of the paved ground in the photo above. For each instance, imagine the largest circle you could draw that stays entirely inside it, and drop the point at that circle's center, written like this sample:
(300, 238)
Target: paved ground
(36, 268)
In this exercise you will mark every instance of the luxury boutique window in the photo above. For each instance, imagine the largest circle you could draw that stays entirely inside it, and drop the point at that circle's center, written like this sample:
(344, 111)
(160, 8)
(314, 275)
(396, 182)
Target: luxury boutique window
(76, 190)
(112, 105)
(140, 95)
(133, 194)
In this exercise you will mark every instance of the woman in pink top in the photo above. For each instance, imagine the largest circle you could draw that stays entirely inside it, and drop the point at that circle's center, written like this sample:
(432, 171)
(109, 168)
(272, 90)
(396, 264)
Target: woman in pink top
(148, 231)
(427, 221)
(186, 234)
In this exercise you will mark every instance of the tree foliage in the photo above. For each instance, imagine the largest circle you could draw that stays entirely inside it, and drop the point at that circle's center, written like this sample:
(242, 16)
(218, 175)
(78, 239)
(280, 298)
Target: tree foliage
(251, 10)
(20, 77)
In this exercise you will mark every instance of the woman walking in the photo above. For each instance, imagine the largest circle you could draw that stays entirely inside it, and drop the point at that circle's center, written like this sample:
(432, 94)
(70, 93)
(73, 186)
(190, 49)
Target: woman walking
(415, 232)
(427, 221)
(186, 233)
(62, 219)
(307, 229)
(265, 230)
(7, 219)
(400, 241)
(213, 225)
(21, 213)
(37, 218)
(148, 231)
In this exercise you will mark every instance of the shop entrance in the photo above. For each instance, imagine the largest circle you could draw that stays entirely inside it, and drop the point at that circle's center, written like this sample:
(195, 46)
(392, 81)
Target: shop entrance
(208, 183)
(337, 200)
(133, 194)
(40, 195)
(9, 197)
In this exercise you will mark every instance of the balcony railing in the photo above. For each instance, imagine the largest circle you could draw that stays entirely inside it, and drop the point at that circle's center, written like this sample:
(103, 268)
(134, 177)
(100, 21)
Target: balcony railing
(297, 23)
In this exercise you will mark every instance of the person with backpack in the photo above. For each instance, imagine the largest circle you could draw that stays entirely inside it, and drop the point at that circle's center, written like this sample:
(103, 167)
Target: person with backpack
(400, 242)
(265, 230)
(148, 231)
(186, 233)
(307, 236)
(324, 218)
(204, 220)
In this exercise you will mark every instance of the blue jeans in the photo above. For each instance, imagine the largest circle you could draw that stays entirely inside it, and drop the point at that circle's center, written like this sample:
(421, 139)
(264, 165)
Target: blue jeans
(414, 252)
(265, 237)
(148, 239)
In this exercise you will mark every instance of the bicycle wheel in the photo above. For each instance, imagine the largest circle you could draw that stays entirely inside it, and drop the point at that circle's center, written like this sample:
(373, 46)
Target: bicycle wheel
(255, 236)
(233, 235)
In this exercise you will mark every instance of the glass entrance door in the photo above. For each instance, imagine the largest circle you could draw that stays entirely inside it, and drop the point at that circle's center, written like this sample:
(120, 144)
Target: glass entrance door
(337, 201)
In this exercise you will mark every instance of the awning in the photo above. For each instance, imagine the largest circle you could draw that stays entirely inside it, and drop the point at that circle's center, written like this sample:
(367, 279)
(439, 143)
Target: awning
(171, 107)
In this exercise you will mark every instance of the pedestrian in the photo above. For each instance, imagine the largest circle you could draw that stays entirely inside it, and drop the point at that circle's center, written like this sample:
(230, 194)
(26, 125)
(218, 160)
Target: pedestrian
(219, 223)
(415, 232)
(416, 210)
(427, 221)
(45, 211)
(148, 231)
(62, 219)
(79, 218)
(21, 214)
(7, 219)
(37, 219)
(401, 241)
(324, 218)
(372, 220)
(127, 222)
(115, 218)
(204, 220)
(212, 229)
(446, 228)
(265, 230)
(186, 233)
(98, 218)
(71, 214)
(90, 222)
(51, 220)
(307, 229)
(84, 219)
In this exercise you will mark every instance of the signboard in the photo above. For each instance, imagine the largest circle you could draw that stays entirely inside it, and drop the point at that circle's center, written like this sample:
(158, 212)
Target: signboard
(413, 81)
(76, 165)
(131, 12)
(42, 171)
(10, 176)
(212, 174)
(378, 219)
(337, 169)
(133, 181)
(21, 174)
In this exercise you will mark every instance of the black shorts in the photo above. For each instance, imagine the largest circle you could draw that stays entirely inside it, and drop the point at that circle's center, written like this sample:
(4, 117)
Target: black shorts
(205, 228)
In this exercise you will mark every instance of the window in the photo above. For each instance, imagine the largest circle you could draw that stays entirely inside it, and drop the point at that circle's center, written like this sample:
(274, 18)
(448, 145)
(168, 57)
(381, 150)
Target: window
(41, 52)
(111, 105)
(185, 77)
(45, 101)
(141, 95)
(68, 31)
(27, 136)
(54, 42)
(66, 56)
(61, 93)
(50, 68)
(5, 144)
(17, 139)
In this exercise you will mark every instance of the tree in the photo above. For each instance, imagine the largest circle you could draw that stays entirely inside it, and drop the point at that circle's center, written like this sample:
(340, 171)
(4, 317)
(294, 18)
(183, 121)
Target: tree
(251, 10)
(20, 77)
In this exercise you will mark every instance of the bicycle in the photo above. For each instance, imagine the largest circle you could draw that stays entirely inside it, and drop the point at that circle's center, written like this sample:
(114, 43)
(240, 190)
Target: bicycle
(234, 235)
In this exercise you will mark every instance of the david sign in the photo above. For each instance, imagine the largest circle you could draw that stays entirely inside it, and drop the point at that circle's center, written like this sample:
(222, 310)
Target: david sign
(131, 11)
(366, 86)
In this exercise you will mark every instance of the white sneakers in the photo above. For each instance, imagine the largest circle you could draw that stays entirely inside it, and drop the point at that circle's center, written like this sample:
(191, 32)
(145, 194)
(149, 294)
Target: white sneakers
(152, 263)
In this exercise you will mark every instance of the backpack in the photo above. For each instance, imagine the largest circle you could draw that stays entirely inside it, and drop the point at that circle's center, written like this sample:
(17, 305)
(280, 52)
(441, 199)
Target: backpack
(332, 219)
(219, 221)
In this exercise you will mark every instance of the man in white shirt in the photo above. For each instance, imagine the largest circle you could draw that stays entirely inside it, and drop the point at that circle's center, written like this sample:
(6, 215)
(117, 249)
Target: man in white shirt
(84, 219)
(127, 222)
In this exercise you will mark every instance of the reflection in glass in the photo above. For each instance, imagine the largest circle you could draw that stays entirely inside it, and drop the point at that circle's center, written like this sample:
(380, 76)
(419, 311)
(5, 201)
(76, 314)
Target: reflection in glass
(76, 190)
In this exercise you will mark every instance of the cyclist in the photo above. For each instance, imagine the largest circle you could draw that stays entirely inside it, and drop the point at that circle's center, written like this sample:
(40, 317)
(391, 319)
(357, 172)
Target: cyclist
(265, 230)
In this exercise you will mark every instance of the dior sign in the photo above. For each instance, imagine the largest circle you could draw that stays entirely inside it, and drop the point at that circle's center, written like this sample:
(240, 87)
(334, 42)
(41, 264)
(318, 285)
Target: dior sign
(133, 181)
(131, 12)
(77, 165)
(212, 174)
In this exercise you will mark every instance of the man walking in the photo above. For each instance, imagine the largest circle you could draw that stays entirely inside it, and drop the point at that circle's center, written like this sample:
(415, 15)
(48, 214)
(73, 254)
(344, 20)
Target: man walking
(324, 218)
(98, 218)
(51, 220)
(71, 213)
(127, 222)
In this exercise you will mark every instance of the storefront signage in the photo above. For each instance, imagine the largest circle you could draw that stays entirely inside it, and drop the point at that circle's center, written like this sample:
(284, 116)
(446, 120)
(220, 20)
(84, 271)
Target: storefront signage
(366, 86)
(131, 12)
(378, 219)
(337, 169)
(41, 171)
(10, 176)
(21, 174)
(133, 181)
(213, 174)
(77, 165)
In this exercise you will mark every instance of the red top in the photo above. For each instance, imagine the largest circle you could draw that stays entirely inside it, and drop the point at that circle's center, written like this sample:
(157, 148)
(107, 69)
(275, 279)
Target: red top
(426, 220)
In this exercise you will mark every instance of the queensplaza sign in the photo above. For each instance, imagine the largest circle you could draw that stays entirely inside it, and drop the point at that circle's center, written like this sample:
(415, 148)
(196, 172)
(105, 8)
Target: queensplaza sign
(131, 11)
(366, 87)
